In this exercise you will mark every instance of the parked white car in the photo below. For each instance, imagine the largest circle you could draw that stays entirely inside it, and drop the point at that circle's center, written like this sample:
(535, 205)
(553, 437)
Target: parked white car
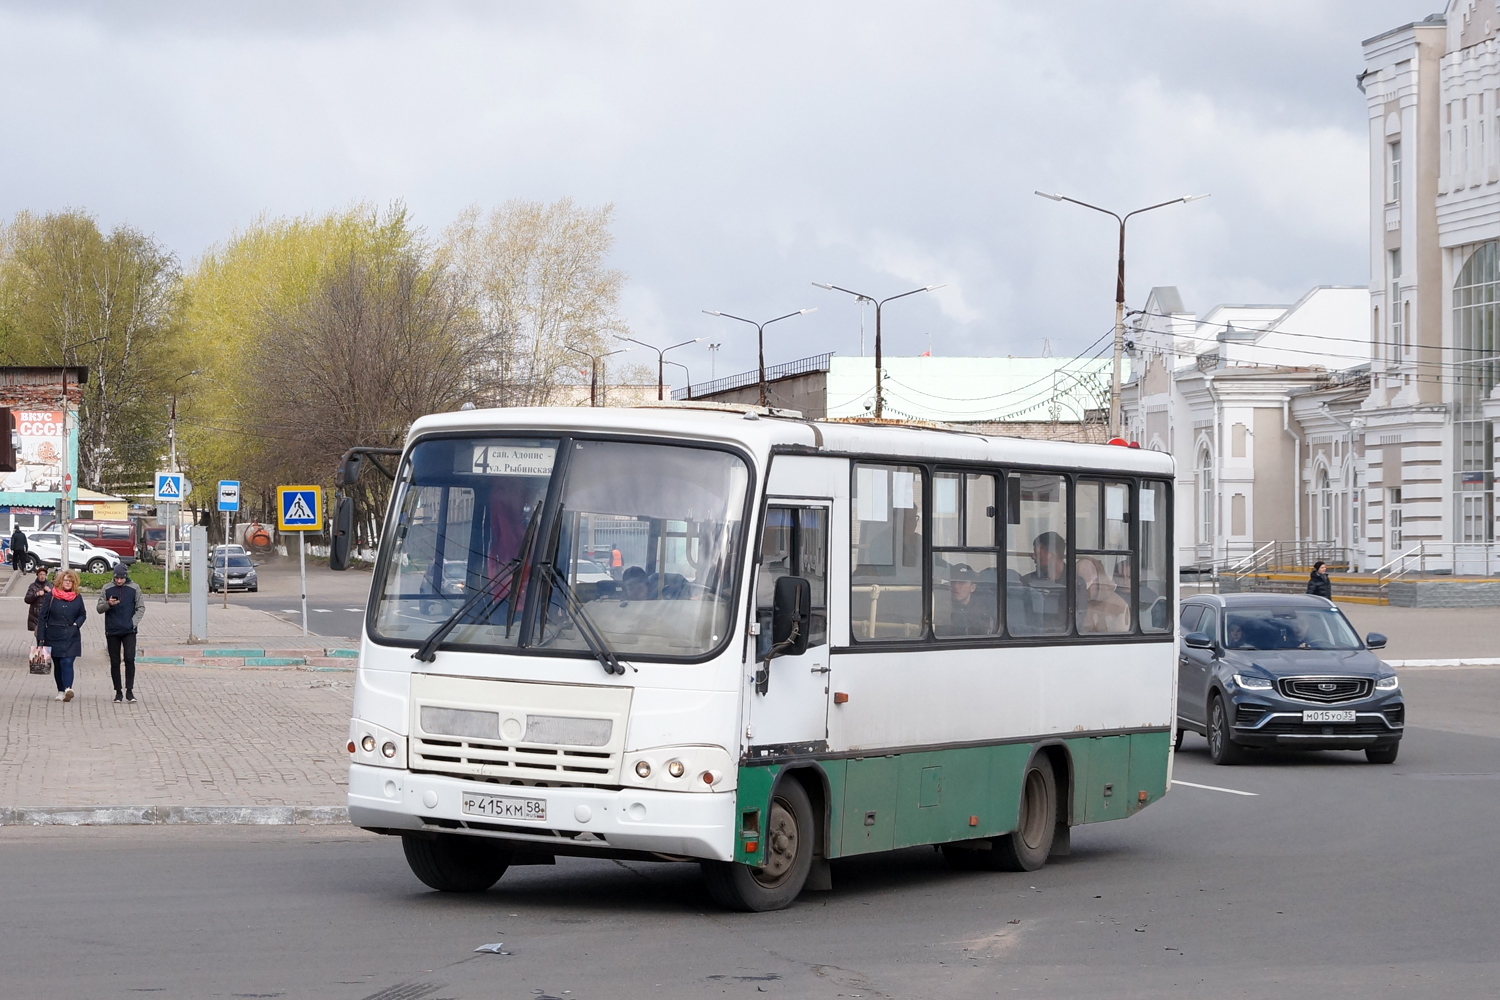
(44, 548)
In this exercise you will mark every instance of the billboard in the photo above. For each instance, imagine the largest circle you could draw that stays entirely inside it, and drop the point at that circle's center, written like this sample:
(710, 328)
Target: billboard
(39, 453)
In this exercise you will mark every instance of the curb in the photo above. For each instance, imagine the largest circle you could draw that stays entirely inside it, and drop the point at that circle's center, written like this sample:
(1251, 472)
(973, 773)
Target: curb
(176, 816)
(1458, 662)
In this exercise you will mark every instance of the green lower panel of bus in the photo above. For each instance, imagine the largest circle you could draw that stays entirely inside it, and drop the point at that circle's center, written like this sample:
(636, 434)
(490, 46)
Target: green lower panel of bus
(937, 796)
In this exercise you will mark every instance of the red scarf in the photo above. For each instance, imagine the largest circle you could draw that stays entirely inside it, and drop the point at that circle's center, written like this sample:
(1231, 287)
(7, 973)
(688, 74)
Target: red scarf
(65, 595)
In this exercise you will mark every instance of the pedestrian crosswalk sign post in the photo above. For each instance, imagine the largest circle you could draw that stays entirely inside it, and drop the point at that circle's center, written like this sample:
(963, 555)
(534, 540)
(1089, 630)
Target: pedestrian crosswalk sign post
(299, 508)
(169, 487)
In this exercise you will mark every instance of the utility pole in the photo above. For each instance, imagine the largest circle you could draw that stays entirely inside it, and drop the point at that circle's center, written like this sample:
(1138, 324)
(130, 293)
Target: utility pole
(1119, 347)
(879, 304)
(594, 360)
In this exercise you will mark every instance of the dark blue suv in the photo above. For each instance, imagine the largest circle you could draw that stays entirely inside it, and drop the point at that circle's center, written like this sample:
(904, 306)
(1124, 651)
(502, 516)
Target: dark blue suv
(1274, 670)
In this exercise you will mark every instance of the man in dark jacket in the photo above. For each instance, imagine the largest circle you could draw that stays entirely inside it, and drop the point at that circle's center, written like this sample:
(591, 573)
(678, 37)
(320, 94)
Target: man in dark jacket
(123, 605)
(18, 548)
(39, 589)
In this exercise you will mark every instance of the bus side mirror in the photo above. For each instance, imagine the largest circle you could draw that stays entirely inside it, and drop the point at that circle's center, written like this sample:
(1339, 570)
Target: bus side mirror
(1375, 640)
(791, 616)
(343, 533)
(348, 471)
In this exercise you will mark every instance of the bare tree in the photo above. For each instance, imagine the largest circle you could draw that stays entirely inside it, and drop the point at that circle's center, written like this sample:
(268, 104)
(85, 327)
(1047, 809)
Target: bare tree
(383, 340)
(535, 277)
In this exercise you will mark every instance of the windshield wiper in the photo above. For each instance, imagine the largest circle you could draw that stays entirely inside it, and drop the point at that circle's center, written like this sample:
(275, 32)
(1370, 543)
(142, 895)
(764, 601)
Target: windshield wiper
(592, 637)
(427, 652)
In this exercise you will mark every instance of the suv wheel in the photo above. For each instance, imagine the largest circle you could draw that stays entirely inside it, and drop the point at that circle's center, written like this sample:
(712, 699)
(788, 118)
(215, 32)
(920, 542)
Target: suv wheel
(1382, 755)
(98, 566)
(1221, 745)
(29, 563)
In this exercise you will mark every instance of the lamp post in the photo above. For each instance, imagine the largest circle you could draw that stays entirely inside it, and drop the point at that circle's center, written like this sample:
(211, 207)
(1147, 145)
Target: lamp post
(67, 483)
(172, 528)
(878, 303)
(687, 374)
(594, 360)
(660, 359)
(760, 338)
(1114, 382)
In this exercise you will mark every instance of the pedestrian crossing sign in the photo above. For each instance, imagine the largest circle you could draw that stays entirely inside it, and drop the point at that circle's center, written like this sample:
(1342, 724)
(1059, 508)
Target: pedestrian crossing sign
(169, 487)
(299, 508)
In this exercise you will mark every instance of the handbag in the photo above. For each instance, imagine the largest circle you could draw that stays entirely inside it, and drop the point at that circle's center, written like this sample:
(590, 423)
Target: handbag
(41, 659)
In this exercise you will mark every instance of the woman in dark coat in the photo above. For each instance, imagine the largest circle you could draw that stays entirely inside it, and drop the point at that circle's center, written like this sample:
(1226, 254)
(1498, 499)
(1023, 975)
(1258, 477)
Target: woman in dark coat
(59, 626)
(39, 589)
(1318, 584)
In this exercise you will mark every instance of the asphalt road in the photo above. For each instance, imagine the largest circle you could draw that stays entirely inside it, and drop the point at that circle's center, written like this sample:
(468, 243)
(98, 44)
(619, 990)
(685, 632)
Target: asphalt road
(335, 601)
(1335, 878)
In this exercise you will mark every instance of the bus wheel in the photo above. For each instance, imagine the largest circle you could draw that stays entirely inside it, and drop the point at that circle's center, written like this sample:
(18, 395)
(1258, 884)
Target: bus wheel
(1027, 848)
(789, 850)
(450, 863)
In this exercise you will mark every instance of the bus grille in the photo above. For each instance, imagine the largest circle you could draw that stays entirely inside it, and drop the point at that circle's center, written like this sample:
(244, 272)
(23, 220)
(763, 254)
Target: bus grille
(1327, 690)
(463, 758)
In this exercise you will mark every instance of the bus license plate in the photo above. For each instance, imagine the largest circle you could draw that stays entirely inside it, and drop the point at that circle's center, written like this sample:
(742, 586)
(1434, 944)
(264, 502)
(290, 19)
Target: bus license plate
(504, 806)
(1328, 715)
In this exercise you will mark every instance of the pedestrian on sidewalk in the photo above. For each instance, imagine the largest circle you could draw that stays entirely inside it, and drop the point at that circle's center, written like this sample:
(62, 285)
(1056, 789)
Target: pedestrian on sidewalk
(1318, 584)
(123, 605)
(39, 589)
(18, 547)
(60, 626)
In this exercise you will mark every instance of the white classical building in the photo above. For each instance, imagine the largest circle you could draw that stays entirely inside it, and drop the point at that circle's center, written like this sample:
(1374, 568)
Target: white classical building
(1433, 92)
(1237, 396)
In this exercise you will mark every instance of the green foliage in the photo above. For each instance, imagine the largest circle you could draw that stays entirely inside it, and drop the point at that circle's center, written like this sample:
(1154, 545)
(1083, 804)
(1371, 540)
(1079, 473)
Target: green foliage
(150, 577)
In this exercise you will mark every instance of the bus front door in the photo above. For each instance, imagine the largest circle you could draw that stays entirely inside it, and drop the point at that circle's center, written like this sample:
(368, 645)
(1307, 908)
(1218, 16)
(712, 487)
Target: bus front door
(792, 712)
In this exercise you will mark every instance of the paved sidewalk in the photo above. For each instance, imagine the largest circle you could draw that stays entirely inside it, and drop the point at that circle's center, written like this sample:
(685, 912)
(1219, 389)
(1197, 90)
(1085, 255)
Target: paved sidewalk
(197, 737)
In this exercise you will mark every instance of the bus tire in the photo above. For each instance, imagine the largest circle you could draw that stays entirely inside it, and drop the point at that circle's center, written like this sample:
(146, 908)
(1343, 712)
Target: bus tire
(1027, 848)
(1221, 745)
(790, 836)
(450, 863)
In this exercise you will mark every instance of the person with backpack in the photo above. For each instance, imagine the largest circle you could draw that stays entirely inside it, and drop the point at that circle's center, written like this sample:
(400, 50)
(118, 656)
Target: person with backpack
(60, 625)
(1318, 583)
(123, 605)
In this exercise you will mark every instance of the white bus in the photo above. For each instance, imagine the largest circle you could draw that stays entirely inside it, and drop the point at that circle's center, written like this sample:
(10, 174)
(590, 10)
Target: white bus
(757, 642)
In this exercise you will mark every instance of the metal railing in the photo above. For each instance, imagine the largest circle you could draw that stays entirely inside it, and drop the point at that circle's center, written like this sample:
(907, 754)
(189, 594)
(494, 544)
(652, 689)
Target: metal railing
(816, 363)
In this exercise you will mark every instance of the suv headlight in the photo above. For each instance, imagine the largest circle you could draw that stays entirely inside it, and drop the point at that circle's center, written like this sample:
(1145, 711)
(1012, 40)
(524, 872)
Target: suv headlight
(1390, 683)
(1251, 683)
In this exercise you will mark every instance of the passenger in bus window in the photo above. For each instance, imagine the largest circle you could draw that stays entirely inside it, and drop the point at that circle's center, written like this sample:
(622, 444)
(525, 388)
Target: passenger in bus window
(1100, 608)
(1048, 611)
(969, 615)
(635, 584)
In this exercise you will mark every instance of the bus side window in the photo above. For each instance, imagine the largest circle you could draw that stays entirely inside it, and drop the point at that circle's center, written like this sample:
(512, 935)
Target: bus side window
(795, 542)
(886, 538)
(1036, 545)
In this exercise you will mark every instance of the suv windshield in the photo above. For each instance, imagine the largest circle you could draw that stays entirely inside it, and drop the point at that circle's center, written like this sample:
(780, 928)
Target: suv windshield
(462, 512)
(1288, 628)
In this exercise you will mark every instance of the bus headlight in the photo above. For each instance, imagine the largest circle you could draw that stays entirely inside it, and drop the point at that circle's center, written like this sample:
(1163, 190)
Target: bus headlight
(376, 745)
(368, 743)
(711, 767)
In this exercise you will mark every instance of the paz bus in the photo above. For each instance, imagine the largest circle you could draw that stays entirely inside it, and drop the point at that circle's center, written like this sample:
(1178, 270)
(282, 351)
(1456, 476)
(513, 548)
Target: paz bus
(822, 639)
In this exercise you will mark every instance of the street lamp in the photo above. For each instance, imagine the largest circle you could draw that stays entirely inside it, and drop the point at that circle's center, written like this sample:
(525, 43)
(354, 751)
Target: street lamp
(594, 360)
(1114, 382)
(861, 296)
(172, 527)
(760, 338)
(686, 374)
(660, 359)
(67, 471)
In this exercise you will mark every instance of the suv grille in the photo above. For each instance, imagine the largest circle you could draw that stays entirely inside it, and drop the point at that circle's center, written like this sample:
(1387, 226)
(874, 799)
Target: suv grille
(1365, 726)
(1326, 689)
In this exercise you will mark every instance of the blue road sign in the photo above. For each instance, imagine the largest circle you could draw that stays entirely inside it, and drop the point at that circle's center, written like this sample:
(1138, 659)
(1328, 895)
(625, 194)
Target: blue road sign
(229, 494)
(169, 487)
(300, 508)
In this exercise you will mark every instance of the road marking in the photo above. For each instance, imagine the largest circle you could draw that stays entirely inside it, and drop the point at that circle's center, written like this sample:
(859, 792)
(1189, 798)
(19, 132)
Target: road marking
(358, 611)
(290, 611)
(1213, 788)
(323, 611)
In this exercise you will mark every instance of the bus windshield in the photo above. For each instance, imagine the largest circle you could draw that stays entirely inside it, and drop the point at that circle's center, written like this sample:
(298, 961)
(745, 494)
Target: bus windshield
(638, 550)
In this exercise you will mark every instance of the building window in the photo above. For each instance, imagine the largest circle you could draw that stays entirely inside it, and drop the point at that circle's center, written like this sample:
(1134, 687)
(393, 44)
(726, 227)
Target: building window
(1205, 496)
(1397, 332)
(1395, 171)
(1476, 372)
(1325, 507)
(1393, 521)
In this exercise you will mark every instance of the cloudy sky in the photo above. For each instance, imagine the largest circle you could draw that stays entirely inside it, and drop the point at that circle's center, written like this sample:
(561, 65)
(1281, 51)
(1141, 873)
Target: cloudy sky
(748, 149)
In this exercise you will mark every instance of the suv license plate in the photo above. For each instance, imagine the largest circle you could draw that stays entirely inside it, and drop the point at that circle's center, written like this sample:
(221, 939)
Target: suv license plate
(1328, 715)
(504, 806)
